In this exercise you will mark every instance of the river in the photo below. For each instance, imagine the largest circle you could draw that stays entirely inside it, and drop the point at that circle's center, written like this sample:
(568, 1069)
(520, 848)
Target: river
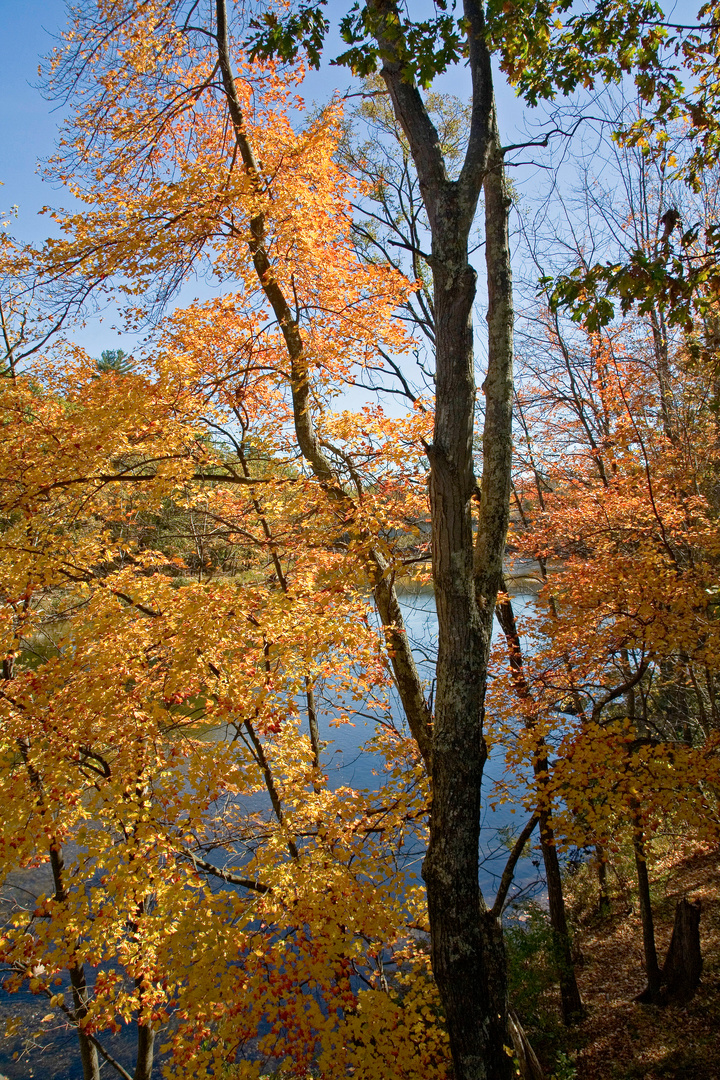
(351, 766)
(54, 1056)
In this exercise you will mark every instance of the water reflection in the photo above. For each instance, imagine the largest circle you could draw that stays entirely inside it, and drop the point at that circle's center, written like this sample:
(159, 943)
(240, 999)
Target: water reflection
(349, 765)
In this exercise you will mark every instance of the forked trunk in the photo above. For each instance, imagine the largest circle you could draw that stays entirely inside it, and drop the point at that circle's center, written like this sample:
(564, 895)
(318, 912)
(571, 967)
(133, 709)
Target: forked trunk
(467, 950)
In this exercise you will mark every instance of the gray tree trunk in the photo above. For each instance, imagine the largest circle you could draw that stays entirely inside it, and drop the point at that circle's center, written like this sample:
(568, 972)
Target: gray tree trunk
(88, 1051)
(466, 939)
(145, 1052)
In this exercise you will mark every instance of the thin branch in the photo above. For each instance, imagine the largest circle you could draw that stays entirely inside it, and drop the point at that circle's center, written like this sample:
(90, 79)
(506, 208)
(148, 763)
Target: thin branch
(509, 871)
(225, 875)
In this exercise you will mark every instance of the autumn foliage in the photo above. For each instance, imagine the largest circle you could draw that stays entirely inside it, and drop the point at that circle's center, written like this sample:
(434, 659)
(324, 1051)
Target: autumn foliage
(181, 596)
(198, 557)
(617, 503)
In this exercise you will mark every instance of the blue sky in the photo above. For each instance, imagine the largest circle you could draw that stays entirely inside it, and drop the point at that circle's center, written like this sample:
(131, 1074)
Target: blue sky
(29, 126)
(27, 122)
(28, 131)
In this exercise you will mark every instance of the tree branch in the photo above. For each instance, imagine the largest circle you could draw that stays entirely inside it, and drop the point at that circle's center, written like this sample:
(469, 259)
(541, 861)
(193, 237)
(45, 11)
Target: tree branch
(225, 875)
(509, 871)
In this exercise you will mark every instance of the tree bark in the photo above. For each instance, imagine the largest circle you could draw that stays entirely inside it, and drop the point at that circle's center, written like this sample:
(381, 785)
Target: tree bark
(466, 940)
(145, 1031)
(683, 964)
(570, 1000)
(407, 678)
(145, 1052)
(652, 994)
(680, 975)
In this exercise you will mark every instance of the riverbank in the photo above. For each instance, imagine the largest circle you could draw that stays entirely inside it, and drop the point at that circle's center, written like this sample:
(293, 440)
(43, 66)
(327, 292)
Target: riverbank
(522, 577)
(620, 1039)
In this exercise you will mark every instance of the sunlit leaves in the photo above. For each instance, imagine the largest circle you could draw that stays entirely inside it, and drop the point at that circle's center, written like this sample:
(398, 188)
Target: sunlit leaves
(619, 506)
(177, 586)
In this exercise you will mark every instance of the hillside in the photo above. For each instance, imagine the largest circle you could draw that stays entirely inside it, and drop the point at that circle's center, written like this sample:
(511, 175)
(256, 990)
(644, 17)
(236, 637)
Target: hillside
(622, 1040)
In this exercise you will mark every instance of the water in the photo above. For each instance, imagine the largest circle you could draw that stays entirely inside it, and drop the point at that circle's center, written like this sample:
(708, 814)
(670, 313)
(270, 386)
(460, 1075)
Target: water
(49, 1051)
(348, 764)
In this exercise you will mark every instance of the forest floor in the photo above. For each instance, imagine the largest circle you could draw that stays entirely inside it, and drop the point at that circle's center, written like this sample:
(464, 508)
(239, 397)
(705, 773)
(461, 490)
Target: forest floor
(620, 1039)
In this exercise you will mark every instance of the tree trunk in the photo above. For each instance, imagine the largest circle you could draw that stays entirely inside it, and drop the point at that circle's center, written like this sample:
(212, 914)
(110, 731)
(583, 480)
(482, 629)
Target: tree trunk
(468, 955)
(468, 963)
(88, 1050)
(528, 1064)
(466, 940)
(571, 1002)
(683, 964)
(603, 891)
(652, 994)
(145, 1052)
(145, 1032)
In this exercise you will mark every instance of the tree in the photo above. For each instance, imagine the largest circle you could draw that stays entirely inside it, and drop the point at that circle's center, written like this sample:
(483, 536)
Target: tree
(467, 950)
(602, 43)
(114, 670)
(627, 505)
(623, 417)
(114, 361)
(465, 633)
(107, 475)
